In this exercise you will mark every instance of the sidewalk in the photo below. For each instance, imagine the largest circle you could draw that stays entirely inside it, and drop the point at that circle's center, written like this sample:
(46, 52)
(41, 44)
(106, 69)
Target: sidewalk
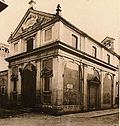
(93, 114)
(4, 113)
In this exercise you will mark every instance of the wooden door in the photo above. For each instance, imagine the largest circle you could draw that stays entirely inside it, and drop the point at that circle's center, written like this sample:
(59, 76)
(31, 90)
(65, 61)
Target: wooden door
(93, 96)
(28, 87)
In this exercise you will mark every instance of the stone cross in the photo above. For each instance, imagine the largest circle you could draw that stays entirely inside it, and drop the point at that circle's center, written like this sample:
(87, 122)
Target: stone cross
(32, 4)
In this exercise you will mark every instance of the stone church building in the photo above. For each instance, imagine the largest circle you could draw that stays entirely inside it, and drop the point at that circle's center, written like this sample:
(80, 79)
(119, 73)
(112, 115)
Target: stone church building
(59, 68)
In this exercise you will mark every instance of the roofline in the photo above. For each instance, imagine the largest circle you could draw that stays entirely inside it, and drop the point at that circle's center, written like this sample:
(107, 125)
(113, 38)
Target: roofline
(67, 23)
(84, 34)
(24, 17)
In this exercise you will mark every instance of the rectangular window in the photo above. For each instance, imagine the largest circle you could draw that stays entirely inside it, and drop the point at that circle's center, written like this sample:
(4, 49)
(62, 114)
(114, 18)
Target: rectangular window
(15, 47)
(74, 41)
(47, 71)
(30, 45)
(94, 51)
(108, 58)
(48, 34)
(47, 84)
(2, 90)
(47, 76)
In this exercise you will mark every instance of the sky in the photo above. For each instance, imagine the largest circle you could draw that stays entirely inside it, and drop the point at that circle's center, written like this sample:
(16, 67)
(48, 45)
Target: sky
(97, 18)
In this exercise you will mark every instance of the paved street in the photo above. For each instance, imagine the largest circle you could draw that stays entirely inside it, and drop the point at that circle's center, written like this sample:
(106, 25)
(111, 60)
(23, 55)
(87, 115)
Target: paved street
(33, 119)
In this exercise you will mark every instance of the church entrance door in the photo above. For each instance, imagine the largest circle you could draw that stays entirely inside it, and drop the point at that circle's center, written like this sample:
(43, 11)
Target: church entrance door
(29, 85)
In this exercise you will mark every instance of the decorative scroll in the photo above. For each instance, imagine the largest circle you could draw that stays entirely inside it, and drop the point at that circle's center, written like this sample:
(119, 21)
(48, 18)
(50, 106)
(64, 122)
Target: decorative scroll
(46, 72)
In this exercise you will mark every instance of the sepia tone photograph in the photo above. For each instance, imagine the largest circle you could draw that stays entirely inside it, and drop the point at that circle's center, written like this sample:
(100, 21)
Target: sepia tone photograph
(59, 62)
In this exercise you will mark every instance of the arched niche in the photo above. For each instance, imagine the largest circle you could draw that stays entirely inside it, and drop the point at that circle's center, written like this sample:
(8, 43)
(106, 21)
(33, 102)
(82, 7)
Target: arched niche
(107, 90)
(94, 90)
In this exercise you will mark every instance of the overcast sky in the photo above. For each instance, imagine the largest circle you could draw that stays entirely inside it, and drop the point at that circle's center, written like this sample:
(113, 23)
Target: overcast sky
(98, 18)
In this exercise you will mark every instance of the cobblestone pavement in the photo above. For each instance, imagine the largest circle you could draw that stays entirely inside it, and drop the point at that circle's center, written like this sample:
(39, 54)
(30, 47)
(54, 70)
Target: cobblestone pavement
(32, 119)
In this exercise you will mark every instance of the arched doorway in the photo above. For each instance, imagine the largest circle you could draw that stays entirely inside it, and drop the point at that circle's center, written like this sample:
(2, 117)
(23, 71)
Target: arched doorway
(108, 91)
(28, 86)
(94, 91)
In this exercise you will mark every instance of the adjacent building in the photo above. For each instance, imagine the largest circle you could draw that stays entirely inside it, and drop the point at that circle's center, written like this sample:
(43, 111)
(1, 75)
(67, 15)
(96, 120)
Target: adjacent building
(3, 65)
(56, 66)
(3, 88)
(3, 5)
(4, 52)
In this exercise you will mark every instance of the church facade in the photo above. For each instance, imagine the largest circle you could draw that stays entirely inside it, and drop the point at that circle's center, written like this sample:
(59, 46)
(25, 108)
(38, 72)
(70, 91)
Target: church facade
(59, 68)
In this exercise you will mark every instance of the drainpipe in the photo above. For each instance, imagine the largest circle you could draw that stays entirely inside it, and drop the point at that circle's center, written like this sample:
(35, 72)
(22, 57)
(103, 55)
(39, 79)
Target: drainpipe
(118, 79)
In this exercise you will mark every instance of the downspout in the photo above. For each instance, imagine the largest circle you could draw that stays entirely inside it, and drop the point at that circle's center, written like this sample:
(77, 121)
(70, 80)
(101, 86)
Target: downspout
(118, 80)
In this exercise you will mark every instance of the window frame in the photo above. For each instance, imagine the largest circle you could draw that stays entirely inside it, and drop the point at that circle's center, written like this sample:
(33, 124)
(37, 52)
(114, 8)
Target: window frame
(94, 54)
(47, 37)
(29, 50)
(76, 42)
(15, 50)
(47, 79)
(46, 83)
(108, 58)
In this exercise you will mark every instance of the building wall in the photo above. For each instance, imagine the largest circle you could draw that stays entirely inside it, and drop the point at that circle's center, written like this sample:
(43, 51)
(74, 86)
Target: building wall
(85, 44)
(3, 87)
(89, 73)
(39, 40)
(72, 70)
(64, 34)
(4, 53)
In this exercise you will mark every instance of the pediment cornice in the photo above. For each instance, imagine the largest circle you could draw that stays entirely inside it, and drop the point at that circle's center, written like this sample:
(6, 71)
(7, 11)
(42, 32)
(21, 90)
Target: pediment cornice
(31, 19)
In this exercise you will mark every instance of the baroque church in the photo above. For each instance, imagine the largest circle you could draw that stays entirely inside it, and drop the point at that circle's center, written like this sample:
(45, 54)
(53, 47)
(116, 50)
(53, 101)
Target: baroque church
(59, 68)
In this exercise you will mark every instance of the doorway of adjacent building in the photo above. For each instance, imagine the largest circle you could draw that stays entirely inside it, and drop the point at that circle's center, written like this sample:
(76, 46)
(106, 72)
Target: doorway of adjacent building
(29, 85)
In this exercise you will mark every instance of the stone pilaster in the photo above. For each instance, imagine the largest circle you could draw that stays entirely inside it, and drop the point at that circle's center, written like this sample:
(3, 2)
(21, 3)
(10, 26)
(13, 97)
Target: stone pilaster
(114, 89)
(85, 87)
(38, 83)
(19, 88)
(102, 82)
(38, 39)
(19, 83)
(9, 82)
(56, 31)
(57, 81)
(20, 49)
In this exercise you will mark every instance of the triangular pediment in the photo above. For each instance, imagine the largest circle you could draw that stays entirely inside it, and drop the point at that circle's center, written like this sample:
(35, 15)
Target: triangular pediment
(31, 18)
